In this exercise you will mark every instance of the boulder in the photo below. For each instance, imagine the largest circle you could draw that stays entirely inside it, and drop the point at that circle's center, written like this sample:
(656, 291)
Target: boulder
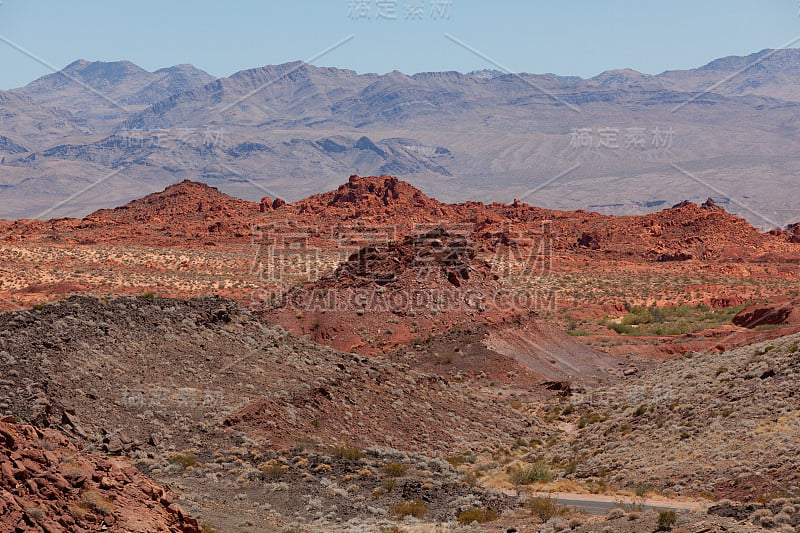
(265, 205)
(709, 204)
(278, 203)
(761, 315)
(794, 232)
(589, 240)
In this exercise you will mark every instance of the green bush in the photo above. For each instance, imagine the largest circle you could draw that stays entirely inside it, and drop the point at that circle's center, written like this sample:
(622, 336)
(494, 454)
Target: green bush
(530, 473)
(622, 329)
(672, 320)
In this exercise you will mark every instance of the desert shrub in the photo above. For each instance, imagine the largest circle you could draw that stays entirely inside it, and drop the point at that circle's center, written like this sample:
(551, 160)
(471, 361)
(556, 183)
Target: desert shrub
(395, 469)
(415, 508)
(149, 295)
(615, 513)
(347, 451)
(96, 502)
(544, 508)
(444, 359)
(666, 519)
(588, 419)
(622, 329)
(793, 348)
(185, 459)
(672, 320)
(638, 315)
(74, 471)
(476, 515)
(271, 469)
(530, 473)
(208, 528)
(77, 511)
(455, 460)
(389, 484)
(35, 513)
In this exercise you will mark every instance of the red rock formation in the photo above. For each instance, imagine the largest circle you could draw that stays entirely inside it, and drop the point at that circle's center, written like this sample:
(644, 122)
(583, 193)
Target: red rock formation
(278, 203)
(589, 240)
(47, 484)
(724, 302)
(432, 279)
(183, 201)
(794, 230)
(762, 315)
(382, 197)
(709, 204)
(265, 205)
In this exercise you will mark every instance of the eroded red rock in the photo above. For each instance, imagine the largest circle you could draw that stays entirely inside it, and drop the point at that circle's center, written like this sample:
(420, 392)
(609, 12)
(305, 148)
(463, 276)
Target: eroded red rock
(61, 486)
(762, 315)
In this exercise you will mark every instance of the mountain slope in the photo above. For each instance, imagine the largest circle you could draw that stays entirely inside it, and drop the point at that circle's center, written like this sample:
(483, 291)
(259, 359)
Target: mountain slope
(622, 142)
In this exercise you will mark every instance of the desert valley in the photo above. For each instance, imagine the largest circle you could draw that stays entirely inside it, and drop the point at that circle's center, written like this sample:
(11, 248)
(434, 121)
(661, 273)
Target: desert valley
(415, 266)
(372, 359)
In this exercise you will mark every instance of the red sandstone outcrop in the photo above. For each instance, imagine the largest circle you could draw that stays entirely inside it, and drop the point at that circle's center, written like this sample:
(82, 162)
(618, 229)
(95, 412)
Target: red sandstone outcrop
(47, 484)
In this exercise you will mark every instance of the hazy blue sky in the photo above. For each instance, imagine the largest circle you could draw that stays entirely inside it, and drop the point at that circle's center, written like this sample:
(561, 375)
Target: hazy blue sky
(583, 37)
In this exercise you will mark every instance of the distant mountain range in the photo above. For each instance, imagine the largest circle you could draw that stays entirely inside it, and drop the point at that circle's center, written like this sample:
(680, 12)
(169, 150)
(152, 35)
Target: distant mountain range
(623, 142)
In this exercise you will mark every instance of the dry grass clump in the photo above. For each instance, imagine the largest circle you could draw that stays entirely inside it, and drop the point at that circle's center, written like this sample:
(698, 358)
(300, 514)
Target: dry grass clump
(666, 520)
(395, 469)
(347, 451)
(272, 469)
(545, 508)
(477, 515)
(35, 513)
(96, 502)
(415, 508)
(185, 458)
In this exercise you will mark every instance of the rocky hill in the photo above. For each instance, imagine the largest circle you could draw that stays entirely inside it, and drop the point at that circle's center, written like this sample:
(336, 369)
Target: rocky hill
(719, 424)
(47, 483)
(183, 202)
(176, 383)
(391, 293)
